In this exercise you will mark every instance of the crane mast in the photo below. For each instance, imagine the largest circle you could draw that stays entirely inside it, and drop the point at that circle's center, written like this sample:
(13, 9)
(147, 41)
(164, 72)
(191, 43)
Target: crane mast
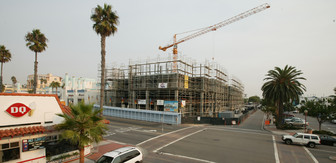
(212, 28)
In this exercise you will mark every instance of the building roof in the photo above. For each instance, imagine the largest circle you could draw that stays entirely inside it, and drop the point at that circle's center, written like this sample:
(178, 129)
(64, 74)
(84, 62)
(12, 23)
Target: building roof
(23, 131)
(65, 109)
(31, 129)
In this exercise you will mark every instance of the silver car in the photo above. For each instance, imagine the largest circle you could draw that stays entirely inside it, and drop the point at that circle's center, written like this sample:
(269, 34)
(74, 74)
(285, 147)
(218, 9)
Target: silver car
(297, 122)
(291, 118)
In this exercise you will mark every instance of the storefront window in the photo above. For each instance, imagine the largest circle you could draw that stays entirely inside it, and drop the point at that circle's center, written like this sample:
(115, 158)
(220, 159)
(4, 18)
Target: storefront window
(9, 151)
(58, 147)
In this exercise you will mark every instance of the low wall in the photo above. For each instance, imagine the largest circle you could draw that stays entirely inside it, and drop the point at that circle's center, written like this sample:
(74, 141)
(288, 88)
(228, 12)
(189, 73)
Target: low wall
(217, 121)
(143, 115)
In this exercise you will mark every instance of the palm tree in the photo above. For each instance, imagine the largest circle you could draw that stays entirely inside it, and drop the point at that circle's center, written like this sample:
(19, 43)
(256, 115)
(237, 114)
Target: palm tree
(105, 22)
(36, 42)
(282, 86)
(43, 81)
(14, 81)
(82, 127)
(55, 85)
(31, 82)
(5, 56)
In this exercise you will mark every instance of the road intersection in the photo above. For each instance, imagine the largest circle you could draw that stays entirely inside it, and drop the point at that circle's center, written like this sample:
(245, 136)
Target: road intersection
(247, 142)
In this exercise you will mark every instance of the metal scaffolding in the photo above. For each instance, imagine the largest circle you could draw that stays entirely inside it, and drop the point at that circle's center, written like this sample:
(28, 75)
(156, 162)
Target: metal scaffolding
(199, 89)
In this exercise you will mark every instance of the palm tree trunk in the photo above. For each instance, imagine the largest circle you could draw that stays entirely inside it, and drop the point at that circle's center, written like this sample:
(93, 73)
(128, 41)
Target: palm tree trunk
(102, 81)
(81, 155)
(280, 106)
(35, 74)
(1, 78)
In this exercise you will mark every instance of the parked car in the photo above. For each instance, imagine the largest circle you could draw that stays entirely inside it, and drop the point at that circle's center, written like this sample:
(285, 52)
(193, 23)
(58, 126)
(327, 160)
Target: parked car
(298, 122)
(291, 118)
(303, 139)
(333, 121)
(295, 111)
(287, 115)
(328, 140)
(124, 154)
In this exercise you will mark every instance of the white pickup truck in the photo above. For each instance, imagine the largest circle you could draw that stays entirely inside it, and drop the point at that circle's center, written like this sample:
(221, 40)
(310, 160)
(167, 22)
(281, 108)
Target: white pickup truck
(302, 138)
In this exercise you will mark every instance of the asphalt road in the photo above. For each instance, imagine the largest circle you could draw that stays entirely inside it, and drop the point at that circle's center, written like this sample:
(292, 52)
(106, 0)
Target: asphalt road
(247, 142)
(225, 145)
(132, 132)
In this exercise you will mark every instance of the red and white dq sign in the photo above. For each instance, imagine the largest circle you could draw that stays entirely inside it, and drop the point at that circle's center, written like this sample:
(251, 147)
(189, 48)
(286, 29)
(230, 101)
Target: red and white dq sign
(18, 110)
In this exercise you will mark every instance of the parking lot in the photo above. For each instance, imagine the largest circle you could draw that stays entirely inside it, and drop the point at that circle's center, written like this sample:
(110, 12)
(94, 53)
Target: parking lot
(313, 123)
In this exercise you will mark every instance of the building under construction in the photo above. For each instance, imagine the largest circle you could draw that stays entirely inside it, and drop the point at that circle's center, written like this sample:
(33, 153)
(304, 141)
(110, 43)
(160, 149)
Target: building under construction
(194, 89)
(176, 84)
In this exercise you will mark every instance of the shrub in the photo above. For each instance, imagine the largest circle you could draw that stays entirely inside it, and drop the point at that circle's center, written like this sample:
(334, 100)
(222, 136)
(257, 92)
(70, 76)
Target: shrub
(288, 127)
(324, 132)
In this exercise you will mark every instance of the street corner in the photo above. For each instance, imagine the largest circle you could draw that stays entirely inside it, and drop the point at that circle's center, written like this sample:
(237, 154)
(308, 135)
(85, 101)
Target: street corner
(273, 129)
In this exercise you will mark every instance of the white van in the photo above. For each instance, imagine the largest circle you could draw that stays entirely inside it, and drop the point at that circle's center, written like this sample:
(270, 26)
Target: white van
(124, 154)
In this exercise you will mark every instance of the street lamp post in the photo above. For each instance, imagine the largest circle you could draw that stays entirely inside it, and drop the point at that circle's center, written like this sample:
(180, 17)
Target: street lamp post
(305, 111)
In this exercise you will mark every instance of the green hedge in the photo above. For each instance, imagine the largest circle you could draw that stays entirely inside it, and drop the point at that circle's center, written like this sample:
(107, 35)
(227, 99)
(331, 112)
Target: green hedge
(324, 132)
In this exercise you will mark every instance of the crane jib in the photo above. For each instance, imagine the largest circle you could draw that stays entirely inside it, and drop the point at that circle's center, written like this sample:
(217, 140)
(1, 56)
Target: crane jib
(216, 26)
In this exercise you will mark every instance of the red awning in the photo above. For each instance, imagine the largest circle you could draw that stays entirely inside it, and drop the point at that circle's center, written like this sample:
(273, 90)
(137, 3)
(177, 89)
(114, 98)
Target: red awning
(22, 131)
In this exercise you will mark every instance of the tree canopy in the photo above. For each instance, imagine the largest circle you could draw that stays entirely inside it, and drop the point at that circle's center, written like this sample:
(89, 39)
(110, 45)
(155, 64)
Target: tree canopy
(254, 99)
(282, 86)
(82, 127)
(321, 109)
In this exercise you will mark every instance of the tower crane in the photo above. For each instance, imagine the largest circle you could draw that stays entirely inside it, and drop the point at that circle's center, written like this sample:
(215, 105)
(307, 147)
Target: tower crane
(211, 28)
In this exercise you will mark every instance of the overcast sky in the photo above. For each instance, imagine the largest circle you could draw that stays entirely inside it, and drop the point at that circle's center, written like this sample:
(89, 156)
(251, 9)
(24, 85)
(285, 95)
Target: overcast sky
(300, 33)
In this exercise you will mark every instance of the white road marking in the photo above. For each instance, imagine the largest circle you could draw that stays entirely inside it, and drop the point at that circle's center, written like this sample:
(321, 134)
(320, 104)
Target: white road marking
(163, 135)
(276, 155)
(146, 130)
(311, 155)
(177, 140)
(323, 150)
(191, 158)
(122, 130)
(239, 130)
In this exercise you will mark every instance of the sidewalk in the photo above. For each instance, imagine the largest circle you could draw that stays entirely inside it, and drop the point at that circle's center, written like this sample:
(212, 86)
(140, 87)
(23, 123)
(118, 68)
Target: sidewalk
(100, 149)
(272, 128)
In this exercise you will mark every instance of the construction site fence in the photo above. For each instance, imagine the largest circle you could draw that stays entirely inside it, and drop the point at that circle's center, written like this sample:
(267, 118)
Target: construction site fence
(143, 115)
(217, 121)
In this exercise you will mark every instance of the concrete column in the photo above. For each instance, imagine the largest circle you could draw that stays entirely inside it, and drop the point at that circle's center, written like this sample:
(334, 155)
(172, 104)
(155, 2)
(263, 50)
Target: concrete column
(190, 104)
(73, 83)
(132, 99)
(66, 80)
(114, 99)
(147, 100)
(201, 103)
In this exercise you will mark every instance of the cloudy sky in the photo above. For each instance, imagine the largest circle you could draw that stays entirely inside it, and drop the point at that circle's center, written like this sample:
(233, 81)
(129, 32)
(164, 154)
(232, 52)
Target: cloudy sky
(300, 33)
